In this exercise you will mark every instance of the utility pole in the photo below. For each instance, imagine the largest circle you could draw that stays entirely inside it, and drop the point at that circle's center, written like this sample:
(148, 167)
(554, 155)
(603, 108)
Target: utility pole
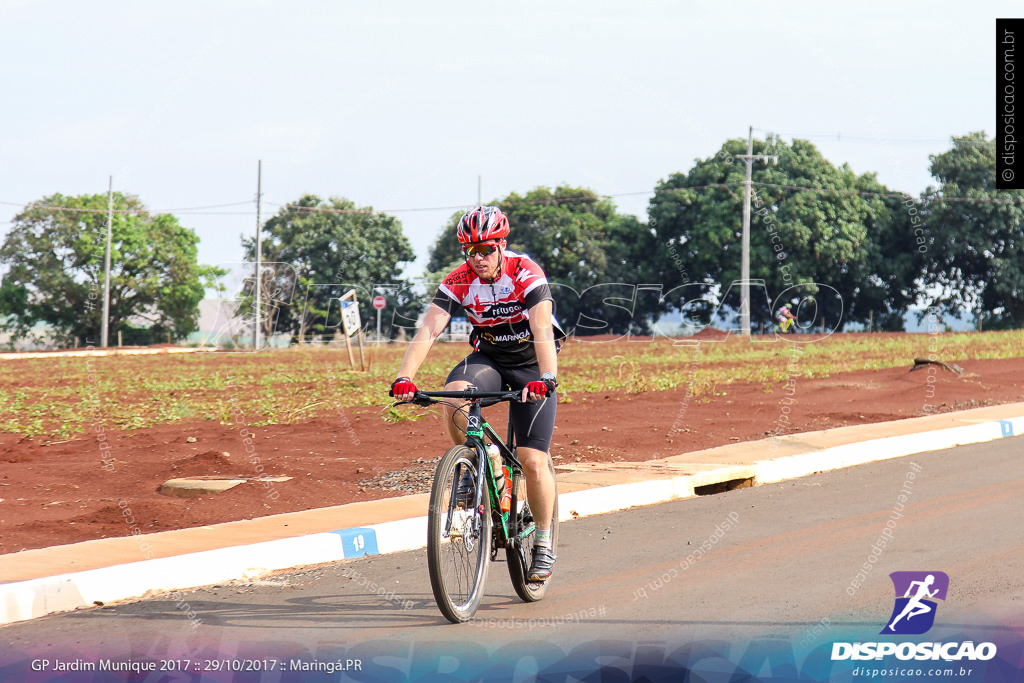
(105, 330)
(745, 259)
(479, 190)
(259, 255)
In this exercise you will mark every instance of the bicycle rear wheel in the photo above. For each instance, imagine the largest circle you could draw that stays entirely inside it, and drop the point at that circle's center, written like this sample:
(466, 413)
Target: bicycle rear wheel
(459, 543)
(519, 551)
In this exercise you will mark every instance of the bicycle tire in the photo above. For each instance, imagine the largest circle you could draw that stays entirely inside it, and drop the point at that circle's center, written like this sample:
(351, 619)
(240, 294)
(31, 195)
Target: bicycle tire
(457, 561)
(519, 551)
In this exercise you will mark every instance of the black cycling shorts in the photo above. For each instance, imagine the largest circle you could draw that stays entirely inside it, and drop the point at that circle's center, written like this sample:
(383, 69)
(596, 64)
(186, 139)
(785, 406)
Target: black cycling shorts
(533, 423)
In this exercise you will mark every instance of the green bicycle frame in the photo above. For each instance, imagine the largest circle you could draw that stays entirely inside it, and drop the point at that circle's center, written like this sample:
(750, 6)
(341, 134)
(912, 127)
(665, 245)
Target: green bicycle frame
(476, 429)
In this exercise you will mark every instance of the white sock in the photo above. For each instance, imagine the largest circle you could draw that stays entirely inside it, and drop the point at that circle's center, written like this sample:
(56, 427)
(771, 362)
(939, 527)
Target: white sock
(542, 538)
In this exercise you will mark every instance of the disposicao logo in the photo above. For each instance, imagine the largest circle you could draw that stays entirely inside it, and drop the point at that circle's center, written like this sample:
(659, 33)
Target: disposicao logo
(913, 614)
(916, 595)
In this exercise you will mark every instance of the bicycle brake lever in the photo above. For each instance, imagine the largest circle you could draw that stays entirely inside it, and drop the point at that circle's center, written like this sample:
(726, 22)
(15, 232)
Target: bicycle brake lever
(421, 400)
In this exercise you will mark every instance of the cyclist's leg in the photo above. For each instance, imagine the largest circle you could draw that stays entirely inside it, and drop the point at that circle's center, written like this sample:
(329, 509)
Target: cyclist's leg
(540, 492)
(534, 424)
(540, 485)
(478, 370)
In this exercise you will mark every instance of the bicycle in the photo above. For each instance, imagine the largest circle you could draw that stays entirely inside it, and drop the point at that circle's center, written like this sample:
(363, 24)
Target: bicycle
(465, 535)
(784, 326)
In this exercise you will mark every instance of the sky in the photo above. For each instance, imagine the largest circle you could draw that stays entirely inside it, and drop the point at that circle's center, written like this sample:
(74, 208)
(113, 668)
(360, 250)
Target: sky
(407, 106)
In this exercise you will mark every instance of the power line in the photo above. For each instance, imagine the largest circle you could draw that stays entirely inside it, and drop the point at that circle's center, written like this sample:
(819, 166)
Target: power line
(69, 209)
(896, 195)
(537, 202)
(202, 210)
(841, 137)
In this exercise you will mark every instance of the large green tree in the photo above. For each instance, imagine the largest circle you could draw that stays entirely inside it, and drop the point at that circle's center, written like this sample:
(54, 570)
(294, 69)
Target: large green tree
(54, 256)
(810, 235)
(318, 249)
(596, 259)
(892, 275)
(976, 232)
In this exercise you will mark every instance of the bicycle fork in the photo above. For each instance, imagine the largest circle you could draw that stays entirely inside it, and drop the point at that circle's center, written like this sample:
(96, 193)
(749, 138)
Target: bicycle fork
(474, 441)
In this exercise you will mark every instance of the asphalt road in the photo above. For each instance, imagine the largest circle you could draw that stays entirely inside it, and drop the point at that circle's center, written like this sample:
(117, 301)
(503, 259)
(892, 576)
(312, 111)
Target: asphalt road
(768, 577)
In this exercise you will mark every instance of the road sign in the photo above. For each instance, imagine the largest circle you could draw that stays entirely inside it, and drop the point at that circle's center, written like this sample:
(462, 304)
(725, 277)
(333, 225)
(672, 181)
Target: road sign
(350, 317)
(459, 329)
(351, 326)
(379, 302)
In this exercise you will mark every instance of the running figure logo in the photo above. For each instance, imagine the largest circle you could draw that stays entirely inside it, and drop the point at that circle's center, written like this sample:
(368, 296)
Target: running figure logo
(914, 612)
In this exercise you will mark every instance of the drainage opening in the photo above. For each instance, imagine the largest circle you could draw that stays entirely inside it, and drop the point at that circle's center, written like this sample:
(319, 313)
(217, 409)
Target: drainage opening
(723, 486)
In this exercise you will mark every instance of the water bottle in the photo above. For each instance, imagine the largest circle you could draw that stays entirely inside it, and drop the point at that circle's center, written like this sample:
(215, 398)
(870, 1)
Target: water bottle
(494, 455)
(502, 477)
(505, 503)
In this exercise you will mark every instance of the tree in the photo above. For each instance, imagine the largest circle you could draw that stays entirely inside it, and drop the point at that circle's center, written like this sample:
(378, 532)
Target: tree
(594, 257)
(55, 254)
(446, 252)
(976, 252)
(316, 251)
(893, 273)
(810, 232)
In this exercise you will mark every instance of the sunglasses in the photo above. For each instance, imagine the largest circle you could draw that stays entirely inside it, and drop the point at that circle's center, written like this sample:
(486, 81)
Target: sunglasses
(481, 249)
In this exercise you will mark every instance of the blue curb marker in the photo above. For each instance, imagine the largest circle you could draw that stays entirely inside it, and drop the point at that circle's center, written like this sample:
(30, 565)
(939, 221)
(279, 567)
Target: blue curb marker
(1007, 427)
(358, 542)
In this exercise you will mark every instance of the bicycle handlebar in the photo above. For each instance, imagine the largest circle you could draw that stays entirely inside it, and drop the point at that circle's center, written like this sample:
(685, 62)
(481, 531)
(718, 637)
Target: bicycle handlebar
(485, 398)
(471, 393)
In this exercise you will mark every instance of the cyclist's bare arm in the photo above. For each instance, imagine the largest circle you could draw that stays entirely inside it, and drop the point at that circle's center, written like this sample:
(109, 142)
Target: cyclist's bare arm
(433, 325)
(544, 337)
(544, 340)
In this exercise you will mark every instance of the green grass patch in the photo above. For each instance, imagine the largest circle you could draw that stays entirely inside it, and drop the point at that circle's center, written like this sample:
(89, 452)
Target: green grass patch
(58, 398)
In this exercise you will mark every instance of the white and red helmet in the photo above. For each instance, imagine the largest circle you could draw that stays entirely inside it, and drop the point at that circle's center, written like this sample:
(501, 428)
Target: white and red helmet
(482, 224)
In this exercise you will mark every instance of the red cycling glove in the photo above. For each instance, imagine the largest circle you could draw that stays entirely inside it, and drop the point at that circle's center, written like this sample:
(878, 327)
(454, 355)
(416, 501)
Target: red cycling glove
(543, 386)
(402, 386)
(537, 387)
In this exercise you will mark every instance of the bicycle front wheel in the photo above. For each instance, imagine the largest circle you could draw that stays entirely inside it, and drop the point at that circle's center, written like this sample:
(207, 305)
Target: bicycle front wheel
(458, 536)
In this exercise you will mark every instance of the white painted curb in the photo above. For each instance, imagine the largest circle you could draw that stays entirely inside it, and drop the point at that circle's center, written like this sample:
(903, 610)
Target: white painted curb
(849, 455)
(23, 600)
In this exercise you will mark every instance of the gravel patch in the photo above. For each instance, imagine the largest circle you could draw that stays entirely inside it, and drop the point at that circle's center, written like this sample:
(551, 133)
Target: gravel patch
(417, 478)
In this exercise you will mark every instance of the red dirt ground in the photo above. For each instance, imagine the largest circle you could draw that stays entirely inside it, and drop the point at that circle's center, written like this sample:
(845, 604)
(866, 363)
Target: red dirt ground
(56, 494)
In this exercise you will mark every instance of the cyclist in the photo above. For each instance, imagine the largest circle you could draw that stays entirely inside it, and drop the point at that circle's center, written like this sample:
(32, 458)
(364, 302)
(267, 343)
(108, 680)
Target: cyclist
(785, 317)
(515, 340)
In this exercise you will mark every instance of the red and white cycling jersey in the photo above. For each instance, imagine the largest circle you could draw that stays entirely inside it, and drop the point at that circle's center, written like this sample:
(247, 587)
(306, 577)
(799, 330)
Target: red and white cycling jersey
(499, 310)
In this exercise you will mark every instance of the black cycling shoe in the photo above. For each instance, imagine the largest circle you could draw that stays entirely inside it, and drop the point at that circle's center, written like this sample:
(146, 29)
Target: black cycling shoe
(465, 490)
(543, 562)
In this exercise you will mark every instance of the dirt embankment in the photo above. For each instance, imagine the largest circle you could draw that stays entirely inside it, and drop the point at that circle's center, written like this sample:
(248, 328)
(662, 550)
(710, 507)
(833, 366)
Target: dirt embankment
(61, 493)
